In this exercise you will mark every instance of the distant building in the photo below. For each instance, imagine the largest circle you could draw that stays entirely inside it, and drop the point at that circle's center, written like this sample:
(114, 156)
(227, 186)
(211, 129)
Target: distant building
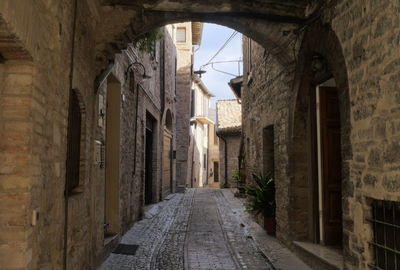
(200, 123)
(213, 152)
(185, 35)
(229, 127)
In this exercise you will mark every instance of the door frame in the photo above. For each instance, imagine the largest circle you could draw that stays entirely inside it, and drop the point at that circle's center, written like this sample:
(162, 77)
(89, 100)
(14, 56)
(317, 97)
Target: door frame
(317, 167)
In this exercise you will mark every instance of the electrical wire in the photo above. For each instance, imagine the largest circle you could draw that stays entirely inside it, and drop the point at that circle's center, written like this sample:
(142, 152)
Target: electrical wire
(221, 49)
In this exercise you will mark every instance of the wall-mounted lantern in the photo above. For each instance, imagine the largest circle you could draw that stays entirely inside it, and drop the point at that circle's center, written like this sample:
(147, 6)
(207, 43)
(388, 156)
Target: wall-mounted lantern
(144, 75)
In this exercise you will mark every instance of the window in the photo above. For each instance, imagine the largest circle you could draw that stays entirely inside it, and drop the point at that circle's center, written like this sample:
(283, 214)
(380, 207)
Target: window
(204, 161)
(386, 228)
(268, 150)
(73, 143)
(181, 34)
(205, 106)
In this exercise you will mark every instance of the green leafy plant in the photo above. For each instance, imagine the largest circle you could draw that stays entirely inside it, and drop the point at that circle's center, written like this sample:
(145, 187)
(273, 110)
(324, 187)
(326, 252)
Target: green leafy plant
(237, 177)
(261, 197)
(147, 41)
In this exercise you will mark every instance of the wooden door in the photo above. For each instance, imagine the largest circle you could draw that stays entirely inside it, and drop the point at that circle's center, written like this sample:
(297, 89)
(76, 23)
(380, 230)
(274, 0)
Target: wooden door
(167, 165)
(148, 189)
(331, 165)
(112, 160)
(216, 172)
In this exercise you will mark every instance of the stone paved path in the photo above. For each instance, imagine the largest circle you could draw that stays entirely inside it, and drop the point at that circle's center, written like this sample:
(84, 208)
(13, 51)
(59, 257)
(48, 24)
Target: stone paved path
(197, 230)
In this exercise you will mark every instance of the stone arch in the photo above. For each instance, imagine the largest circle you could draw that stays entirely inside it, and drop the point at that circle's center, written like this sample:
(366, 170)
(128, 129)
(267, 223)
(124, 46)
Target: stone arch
(271, 25)
(319, 40)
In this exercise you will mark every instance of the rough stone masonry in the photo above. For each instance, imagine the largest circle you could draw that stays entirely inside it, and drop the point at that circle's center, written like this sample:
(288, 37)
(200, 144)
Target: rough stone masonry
(359, 40)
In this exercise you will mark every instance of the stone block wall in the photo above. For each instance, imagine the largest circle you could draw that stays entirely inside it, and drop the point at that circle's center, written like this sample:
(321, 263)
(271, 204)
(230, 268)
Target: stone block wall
(44, 29)
(170, 76)
(265, 101)
(17, 174)
(233, 147)
(359, 40)
(33, 129)
(183, 93)
(369, 33)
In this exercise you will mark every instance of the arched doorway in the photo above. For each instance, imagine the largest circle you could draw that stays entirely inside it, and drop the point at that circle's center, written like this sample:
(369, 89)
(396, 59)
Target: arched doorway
(320, 148)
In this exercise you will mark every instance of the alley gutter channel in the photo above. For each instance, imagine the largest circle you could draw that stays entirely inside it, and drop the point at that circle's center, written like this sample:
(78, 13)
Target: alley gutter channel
(278, 256)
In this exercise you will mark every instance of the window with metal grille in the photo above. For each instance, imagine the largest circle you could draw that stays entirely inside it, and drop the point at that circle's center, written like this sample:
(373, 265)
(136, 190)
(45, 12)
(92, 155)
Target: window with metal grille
(386, 228)
(181, 34)
(74, 143)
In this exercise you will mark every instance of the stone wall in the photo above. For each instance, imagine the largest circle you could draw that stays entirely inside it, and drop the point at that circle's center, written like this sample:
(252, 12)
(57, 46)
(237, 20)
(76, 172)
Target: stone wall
(43, 107)
(233, 147)
(33, 123)
(170, 88)
(183, 91)
(358, 38)
(367, 79)
(265, 102)
(372, 60)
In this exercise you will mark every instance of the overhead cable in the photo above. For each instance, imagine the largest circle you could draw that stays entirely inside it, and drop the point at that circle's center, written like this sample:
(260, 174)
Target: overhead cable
(220, 49)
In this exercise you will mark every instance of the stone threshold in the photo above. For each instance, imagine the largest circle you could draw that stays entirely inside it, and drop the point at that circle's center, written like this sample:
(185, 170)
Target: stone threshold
(109, 239)
(320, 256)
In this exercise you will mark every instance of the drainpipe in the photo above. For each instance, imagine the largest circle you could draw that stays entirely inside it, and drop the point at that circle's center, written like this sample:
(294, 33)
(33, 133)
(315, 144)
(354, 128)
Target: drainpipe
(162, 92)
(208, 152)
(71, 77)
(162, 75)
(136, 128)
(191, 173)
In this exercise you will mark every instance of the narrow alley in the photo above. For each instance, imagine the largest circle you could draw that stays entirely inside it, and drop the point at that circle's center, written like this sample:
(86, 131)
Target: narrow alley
(201, 229)
(203, 134)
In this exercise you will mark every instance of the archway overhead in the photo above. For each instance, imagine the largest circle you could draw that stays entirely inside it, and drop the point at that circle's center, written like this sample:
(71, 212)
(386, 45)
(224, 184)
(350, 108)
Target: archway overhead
(291, 8)
(271, 23)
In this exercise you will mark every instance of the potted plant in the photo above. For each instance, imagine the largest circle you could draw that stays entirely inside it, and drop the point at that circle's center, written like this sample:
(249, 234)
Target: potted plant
(261, 200)
(238, 178)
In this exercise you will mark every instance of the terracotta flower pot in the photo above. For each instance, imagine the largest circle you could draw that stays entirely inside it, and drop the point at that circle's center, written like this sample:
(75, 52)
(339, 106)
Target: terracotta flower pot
(270, 225)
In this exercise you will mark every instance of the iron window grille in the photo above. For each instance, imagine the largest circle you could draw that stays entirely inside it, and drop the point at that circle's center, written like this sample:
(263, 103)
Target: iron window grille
(386, 239)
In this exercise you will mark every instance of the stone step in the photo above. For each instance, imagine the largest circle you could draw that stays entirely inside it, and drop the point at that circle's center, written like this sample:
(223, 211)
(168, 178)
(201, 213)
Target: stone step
(318, 256)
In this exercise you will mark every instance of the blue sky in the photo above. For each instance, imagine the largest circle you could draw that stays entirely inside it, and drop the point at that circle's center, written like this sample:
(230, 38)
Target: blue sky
(214, 36)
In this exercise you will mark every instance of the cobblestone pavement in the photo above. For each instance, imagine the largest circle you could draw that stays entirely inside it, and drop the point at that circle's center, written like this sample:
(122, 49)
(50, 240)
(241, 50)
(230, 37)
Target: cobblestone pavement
(197, 230)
